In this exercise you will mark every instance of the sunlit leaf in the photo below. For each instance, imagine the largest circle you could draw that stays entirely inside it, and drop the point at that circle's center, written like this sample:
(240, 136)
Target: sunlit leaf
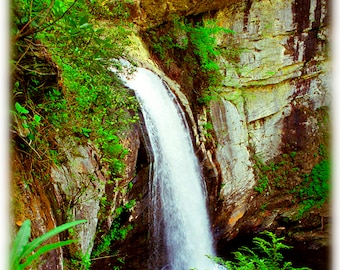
(19, 243)
(20, 109)
(38, 241)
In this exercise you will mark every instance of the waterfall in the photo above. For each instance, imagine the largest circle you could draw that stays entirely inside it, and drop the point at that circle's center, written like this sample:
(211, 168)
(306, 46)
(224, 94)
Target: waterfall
(178, 198)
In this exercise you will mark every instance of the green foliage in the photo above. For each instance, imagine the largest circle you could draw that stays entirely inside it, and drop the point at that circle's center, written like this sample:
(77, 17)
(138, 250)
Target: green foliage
(207, 129)
(322, 151)
(101, 109)
(116, 10)
(62, 86)
(82, 261)
(24, 253)
(21, 110)
(262, 184)
(118, 231)
(30, 123)
(314, 190)
(275, 175)
(197, 43)
(209, 94)
(263, 172)
(264, 206)
(69, 88)
(265, 255)
(163, 44)
(203, 39)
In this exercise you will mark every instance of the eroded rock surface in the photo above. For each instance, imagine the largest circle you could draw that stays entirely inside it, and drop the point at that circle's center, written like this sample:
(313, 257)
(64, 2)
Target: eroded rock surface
(281, 75)
(148, 13)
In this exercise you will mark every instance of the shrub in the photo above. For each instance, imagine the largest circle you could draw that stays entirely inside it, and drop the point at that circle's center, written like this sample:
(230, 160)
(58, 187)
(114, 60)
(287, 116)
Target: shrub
(266, 255)
(314, 190)
(62, 86)
(198, 45)
(118, 231)
(66, 87)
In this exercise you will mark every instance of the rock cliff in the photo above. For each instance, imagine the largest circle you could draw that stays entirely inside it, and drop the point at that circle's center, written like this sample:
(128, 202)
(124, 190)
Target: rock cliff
(271, 94)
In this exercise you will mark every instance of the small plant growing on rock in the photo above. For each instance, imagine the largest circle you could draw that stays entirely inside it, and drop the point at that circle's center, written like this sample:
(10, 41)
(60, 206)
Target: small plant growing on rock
(197, 43)
(315, 188)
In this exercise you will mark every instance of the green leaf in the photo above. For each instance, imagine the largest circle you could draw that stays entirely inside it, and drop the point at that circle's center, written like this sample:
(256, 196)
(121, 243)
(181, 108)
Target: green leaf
(83, 20)
(86, 131)
(24, 19)
(30, 136)
(36, 242)
(19, 243)
(85, 25)
(37, 119)
(44, 250)
(20, 109)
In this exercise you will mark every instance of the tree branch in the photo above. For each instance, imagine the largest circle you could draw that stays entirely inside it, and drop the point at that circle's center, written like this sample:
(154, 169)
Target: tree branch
(40, 30)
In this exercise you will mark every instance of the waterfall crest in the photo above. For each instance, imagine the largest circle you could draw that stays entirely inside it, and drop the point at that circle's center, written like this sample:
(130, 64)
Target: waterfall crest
(178, 201)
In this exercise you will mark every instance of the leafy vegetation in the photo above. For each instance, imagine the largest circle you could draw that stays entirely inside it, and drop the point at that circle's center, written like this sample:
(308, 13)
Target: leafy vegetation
(312, 191)
(62, 88)
(265, 174)
(265, 255)
(203, 39)
(196, 43)
(24, 253)
(262, 184)
(207, 130)
(117, 231)
(88, 101)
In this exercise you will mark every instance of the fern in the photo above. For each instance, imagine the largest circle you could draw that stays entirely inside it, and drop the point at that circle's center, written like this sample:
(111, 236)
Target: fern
(266, 255)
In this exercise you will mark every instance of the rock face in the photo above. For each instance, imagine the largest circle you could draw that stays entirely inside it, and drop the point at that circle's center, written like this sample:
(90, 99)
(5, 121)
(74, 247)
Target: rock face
(79, 188)
(83, 182)
(31, 201)
(232, 155)
(80, 182)
(150, 13)
(281, 74)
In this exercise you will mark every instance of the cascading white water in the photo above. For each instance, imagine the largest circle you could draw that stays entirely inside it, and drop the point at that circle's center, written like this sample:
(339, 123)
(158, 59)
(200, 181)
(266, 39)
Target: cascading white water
(177, 182)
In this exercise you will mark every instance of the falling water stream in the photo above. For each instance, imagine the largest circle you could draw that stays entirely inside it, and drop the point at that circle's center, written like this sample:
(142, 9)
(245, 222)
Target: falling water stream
(177, 188)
